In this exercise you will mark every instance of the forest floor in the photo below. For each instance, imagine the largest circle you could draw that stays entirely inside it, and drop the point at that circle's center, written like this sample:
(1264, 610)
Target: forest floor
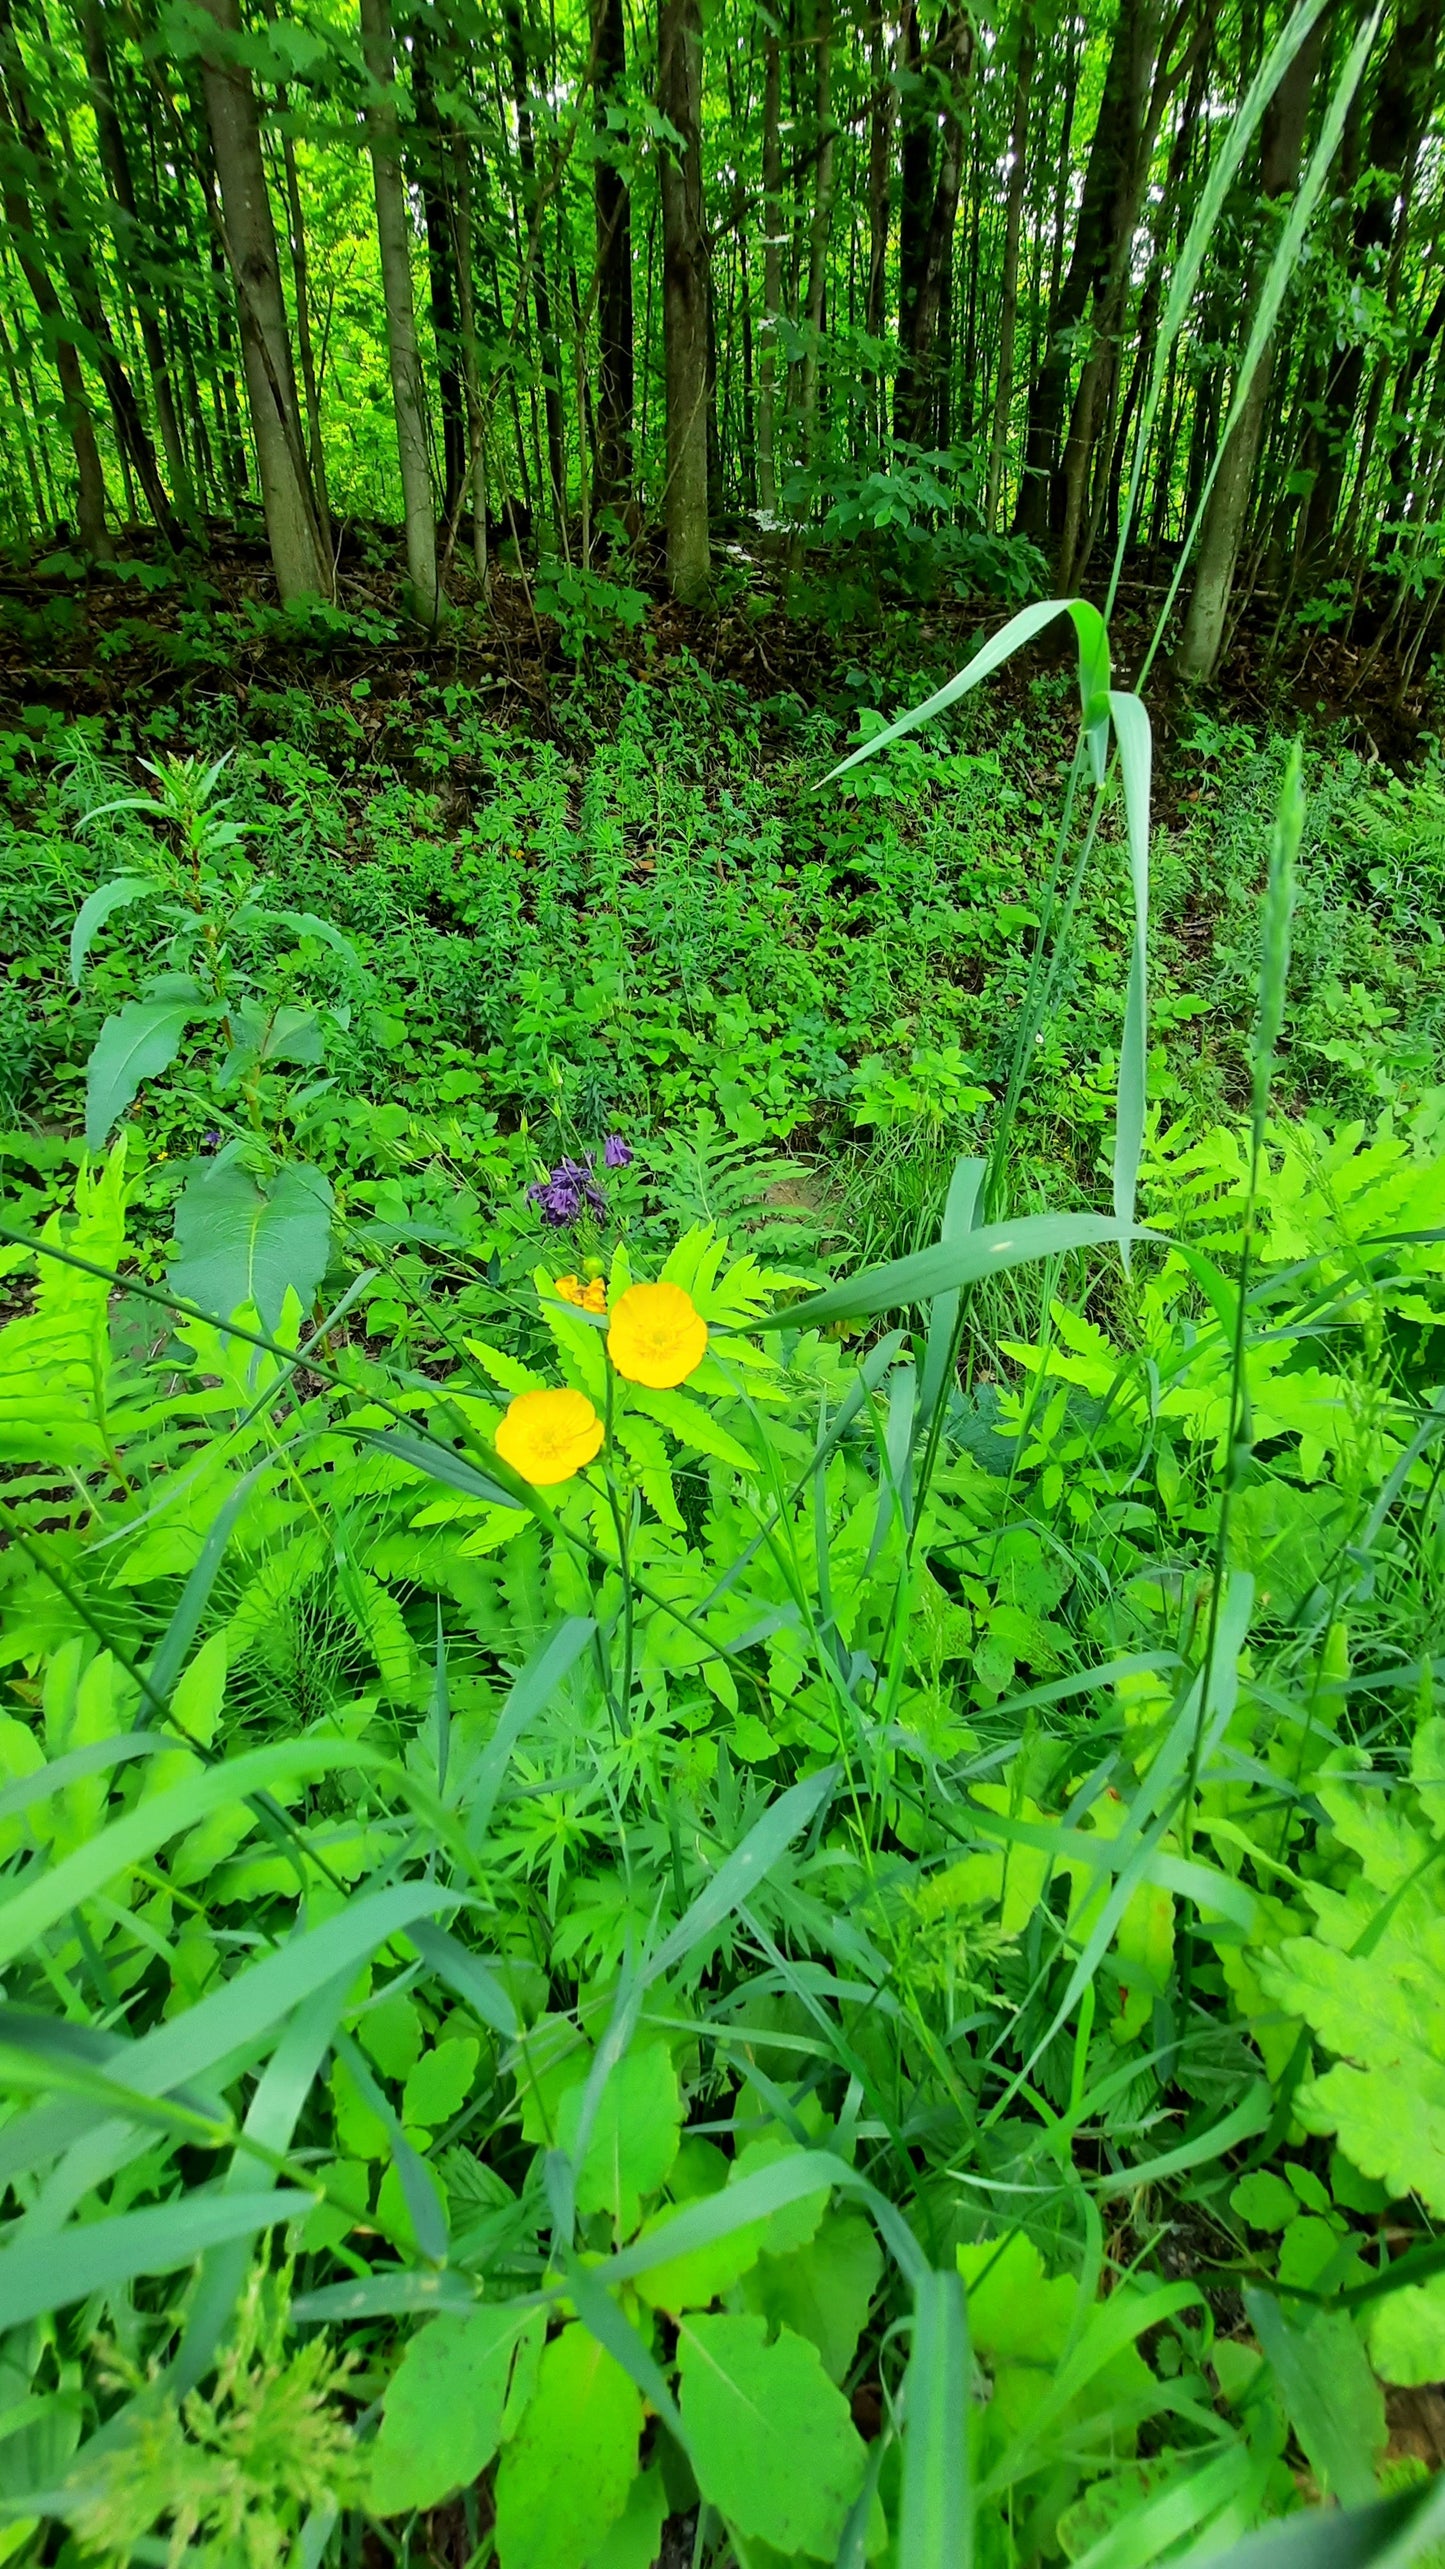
(72, 644)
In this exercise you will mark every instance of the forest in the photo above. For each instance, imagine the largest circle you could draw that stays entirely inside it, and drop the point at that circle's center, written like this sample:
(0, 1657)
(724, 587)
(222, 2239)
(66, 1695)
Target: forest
(722, 1284)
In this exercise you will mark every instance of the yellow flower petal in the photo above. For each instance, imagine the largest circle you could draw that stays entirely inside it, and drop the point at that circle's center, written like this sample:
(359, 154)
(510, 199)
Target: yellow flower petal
(657, 1336)
(548, 1436)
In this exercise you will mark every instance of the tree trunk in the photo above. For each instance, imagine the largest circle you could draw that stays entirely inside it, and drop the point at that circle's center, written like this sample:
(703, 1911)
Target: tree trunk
(612, 205)
(1003, 393)
(131, 247)
(1110, 153)
(772, 267)
(915, 397)
(822, 219)
(471, 368)
(880, 149)
(684, 299)
(541, 292)
(132, 436)
(250, 246)
(408, 393)
(1227, 509)
(94, 534)
(442, 264)
(1404, 99)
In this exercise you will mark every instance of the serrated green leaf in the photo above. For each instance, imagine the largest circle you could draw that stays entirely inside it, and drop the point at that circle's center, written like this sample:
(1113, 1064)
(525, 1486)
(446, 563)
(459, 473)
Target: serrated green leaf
(442, 2415)
(563, 2481)
(136, 1045)
(634, 2135)
(822, 2291)
(771, 2438)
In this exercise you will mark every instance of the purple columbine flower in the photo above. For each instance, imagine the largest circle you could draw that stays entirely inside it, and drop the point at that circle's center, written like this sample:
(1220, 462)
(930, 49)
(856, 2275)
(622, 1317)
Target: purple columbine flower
(564, 1191)
(616, 1154)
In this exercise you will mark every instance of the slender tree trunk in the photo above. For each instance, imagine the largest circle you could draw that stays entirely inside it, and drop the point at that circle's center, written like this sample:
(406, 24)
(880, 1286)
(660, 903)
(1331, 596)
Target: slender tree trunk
(541, 291)
(822, 219)
(131, 248)
(1408, 85)
(1009, 289)
(684, 300)
(1227, 510)
(408, 393)
(442, 264)
(915, 399)
(880, 153)
(1110, 152)
(250, 243)
(95, 537)
(772, 267)
(612, 206)
(471, 367)
(132, 437)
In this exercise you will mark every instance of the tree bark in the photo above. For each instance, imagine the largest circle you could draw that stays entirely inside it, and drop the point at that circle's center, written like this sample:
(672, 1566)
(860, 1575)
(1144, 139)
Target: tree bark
(1227, 508)
(408, 393)
(131, 247)
(1404, 98)
(250, 246)
(442, 264)
(772, 268)
(819, 227)
(541, 291)
(1003, 392)
(132, 436)
(94, 534)
(612, 207)
(1111, 153)
(684, 300)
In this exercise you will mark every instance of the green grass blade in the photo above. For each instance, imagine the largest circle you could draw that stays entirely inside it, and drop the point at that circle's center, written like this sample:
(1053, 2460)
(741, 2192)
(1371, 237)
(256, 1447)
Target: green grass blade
(960, 1212)
(744, 1869)
(935, 2529)
(951, 1263)
(534, 1688)
(1021, 628)
(1131, 730)
(42, 1901)
(45, 2274)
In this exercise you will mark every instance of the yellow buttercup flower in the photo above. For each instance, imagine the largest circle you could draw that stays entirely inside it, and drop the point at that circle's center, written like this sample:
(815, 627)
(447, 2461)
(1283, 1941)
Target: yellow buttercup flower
(657, 1337)
(547, 1436)
(587, 1297)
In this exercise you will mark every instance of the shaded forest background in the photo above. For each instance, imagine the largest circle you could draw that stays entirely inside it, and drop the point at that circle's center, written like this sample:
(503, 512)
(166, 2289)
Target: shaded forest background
(621, 295)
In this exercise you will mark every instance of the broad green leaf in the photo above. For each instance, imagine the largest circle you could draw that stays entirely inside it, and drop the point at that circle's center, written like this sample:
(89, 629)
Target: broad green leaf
(99, 906)
(824, 2290)
(636, 2537)
(950, 1264)
(563, 2481)
(1334, 2402)
(1405, 2332)
(442, 2415)
(634, 2135)
(240, 1243)
(46, 2273)
(1020, 629)
(1388, 2535)
(133, 1046)
(935, 2529)
(771, 2438)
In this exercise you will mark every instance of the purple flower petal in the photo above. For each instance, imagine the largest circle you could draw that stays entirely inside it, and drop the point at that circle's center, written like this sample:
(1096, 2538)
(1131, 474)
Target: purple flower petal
(616, 1154)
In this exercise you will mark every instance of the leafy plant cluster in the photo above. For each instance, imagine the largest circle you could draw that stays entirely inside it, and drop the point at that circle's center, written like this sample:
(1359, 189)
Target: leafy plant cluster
(650, 1902)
